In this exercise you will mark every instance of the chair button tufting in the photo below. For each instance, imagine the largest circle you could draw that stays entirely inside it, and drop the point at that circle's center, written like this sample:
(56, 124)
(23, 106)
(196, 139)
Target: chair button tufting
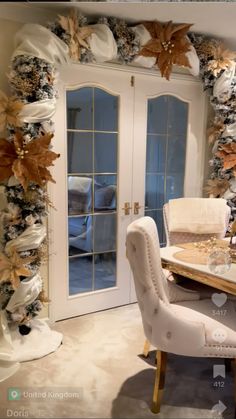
(155, 310)
(168, 335)
(133, 248)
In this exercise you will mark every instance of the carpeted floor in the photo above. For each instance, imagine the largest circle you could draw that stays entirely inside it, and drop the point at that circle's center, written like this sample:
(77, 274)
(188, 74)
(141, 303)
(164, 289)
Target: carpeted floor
(98, 372)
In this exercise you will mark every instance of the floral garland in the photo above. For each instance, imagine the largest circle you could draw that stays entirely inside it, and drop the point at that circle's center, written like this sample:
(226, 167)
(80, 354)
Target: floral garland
(25, 150)
(128, 44)
(24, 160)
(217, 71)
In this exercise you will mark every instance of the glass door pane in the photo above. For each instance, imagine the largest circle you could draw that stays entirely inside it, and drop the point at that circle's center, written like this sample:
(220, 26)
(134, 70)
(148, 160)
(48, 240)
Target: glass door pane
(92, 136)
(167, 122)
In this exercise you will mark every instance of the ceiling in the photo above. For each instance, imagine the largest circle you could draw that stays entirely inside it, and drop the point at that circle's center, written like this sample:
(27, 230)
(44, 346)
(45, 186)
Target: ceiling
(214, 18)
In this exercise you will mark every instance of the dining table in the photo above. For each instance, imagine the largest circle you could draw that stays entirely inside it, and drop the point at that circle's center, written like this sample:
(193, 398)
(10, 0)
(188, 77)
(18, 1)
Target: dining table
(179, 260)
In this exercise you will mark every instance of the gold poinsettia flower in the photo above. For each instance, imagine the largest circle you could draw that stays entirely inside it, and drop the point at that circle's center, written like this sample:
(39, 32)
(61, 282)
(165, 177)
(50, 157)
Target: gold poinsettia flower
(222, 60)
(216, 187)
(168, 44)
(215, 130)
(28, 163)
(228, 155)
(78, 35)
(12, 215)
(10, 108)
(13, 266)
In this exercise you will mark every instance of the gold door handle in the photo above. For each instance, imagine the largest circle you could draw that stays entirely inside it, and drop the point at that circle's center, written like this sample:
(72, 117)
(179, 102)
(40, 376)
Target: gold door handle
(136, 208)
(127, 208)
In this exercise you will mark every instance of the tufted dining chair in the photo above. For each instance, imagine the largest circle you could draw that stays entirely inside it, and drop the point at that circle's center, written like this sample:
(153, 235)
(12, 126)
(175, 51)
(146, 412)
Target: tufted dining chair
(174, 238)
(186, 327)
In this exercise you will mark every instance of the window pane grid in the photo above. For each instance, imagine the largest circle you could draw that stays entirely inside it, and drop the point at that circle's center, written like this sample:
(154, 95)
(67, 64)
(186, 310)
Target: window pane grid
(165, 158)
(92, 144)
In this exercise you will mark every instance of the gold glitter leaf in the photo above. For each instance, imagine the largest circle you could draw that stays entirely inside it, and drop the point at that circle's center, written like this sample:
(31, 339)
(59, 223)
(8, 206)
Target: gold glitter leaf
(228, 155)
(169, 45)
(223, 59)
(215, 130)
(28, 163)
(78, 35)
(9, 111)
(13, 266)
(216, 187)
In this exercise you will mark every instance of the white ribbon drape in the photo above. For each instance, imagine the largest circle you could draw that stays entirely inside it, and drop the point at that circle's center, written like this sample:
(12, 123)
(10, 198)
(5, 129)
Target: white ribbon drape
(26, 293)
(37, 41)
(102, 43)
(5, 337)
(144, 36)
(222, 85)
(193, 61)
(230, 130)
(7, 366)
(38, 111)
(30, 239)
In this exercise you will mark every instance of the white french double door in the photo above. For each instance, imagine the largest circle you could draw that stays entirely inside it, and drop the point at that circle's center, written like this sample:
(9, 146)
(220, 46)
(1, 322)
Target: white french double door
(113, 143)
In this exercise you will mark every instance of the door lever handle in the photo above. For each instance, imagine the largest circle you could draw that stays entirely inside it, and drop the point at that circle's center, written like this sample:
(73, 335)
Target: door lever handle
(127, 208)
(136, 208)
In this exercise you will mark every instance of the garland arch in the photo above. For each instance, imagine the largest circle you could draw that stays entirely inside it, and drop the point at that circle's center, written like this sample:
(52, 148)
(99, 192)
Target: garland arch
(27, 130)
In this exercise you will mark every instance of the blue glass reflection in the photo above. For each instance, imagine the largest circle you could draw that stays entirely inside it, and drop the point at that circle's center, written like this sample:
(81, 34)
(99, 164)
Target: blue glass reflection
(157, 112)
(80, 274)
(104, 232)
(177, 116)
(80, 152)
(80, 108)
(105, 111)
(156, 153)
(105, 270)
(155, 191)
(157, 216)
(165, 155)
(174, 186)
(80, 231)
(79, 194)
(105, 153)
(105, 193)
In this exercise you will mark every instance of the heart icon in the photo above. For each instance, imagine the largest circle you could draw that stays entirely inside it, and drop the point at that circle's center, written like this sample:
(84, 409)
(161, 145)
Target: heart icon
(219, 299)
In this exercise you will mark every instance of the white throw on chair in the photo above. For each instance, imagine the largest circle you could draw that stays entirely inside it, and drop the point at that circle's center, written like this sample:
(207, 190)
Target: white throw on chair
(195, 219)
(185, 327)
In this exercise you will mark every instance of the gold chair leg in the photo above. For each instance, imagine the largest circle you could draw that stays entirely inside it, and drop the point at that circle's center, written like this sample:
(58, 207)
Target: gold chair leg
(161, 358)
(146, 348)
